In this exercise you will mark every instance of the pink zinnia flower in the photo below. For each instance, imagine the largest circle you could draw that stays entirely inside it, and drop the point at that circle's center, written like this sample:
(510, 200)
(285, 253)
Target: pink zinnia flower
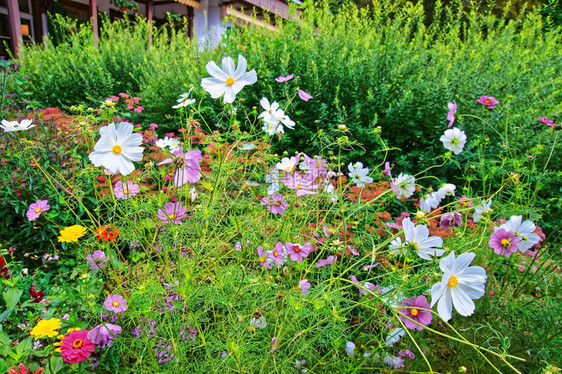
(282, 79)
(451, 220)
(36, 209)
(297, 252)
(115, 303)
(304, 285)
(488, 101)
(124, 191)
(451, 115)
(304, 96)
(76, 347)
(138, 109)
(172, 213)
(422, 317)
(303, 185)
(96, 259)
(547, 122)
(503, 242)
(275, 203)
(123, 95)
(277, 254)
(187, 166)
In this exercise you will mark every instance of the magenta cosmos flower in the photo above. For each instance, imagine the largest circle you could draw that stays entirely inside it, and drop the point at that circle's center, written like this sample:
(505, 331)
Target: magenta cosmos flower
(488, 101)
(423, 317)
(297, 252)
(451, 115)
(187, 166)
(36, 209)
(265, 258)
(277, 253)
(76, 347)
(282, 79)
(115, 303)
(546, 121)
(172, 213)
(503, 242)
(304, 286)
(325, 262)
(304, 95)
(303, 185)
(275, 203)
(451, 220)
(96, 259)
(103, 335)
(124, 191)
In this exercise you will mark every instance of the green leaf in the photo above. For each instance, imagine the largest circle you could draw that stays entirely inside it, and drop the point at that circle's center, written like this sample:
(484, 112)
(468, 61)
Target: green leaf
(12, 297)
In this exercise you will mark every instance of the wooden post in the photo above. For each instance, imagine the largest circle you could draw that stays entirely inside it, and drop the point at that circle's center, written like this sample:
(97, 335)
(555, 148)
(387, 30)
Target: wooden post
(15, 26)
(149, 15)
(37, 20)
(94, 15)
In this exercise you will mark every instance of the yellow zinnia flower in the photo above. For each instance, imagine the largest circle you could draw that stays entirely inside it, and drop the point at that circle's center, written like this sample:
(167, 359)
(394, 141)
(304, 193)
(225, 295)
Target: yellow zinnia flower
(46, 327)
(72, 233)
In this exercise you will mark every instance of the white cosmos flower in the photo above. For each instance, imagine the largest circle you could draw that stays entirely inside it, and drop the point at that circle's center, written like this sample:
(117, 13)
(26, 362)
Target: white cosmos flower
(523, 230)
(16, 126)
(429, 201)
(229, 80)
(454, 140)
(404, 185)
(448, 189)
(485, 208)
(272, 129)
(272, 116)
(273, 179)
(460, 285)
(162, 143)
(173, 144)
(117, 148)
(183, 100)
(394, 335)
(417, 237)
(259, 322)
(398, 248)
(193, 194)
(359, 174)
(287, 164)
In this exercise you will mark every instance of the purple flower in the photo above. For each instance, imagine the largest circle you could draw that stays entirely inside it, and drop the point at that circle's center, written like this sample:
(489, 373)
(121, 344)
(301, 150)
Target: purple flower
(115, 303)
(274, 345)
(103, 335)
(488, 101)
(142, 331)
(422, 317)
(265, 257)
(303, 185)
(187, 166)
(394, 361)
(282, 79)
(304, 285)
(317, 166)
(36, 208)
(277, 254)
(406, 354)
(328, 261)
(450, 220)
(96, 259)
(304, 96)
(362, 287)
(124, 191)
(164, 351)
(172, 213)
(224, 354)
(547, 122)
(367, 267)
(275, 203)
(297, 252)
(504, 242)
(451, 115)
(386, 170)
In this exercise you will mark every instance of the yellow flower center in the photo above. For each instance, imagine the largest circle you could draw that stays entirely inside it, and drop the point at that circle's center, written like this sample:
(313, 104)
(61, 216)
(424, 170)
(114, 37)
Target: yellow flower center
(115, 304)
(414, 312)
(230, 81)
(277, 203)
(488, 101)
(116, 149)
(452, 282)
(126, 191)
(505, 242)
(270, 110)
(262, 259)
(37, 210)
(77, 344)
(297, 248)
(275, 254)
(454, 141)
(172, 216)
(299, 187)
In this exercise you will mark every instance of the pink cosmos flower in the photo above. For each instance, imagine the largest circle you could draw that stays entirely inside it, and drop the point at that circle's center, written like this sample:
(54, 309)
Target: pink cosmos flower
(488, 101)
(76, 347)
(422, 317)
(304, 96)
(187, 166)
(277, 254)
(297, 252)
(325, 262)
(124, 191)
(96, 259)
(451, 220)
(547, 122)
(304, 285)
(386, 170)
(115, 303)
(503, 242)
(265, 258)
(282, 79)
(103, 335)
(303, 185)
(361, 287)
(36, 208)
(275, 203)
(451, 115)
(172, 213)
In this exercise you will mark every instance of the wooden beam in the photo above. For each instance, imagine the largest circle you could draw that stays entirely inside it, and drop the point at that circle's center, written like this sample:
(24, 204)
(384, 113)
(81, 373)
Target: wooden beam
(37, 20)
(274, 6)
(94, 15)
(15, 26)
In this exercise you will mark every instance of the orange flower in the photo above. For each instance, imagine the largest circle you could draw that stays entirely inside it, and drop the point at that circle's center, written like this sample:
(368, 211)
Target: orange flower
(107, 233)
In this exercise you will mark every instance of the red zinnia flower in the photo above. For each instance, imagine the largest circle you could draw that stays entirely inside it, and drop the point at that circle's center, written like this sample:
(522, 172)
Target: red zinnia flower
(76, 347)
(3, 268)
